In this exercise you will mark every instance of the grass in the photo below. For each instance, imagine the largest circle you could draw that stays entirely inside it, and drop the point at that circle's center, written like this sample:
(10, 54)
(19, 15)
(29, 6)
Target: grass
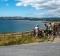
(27, 38)
(20, 40)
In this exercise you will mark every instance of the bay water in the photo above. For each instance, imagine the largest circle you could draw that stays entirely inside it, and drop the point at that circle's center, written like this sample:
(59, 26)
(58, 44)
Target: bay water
(18, 25)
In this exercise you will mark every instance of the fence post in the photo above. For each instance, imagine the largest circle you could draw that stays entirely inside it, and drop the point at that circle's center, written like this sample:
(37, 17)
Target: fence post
(12, 35)
(28, 34)
(4, 35)
(22, 34)
(31, 33)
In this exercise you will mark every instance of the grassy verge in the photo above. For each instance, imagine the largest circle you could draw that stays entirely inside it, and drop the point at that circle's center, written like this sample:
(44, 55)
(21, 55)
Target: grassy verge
(19, 40)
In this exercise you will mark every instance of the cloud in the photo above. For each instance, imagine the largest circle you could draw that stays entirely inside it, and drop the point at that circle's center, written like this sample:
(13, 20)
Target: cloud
(40, 4)
(52, 6)
(49, 13)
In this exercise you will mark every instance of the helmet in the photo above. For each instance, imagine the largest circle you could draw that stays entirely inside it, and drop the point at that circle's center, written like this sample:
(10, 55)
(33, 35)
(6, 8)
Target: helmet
(37, 25)
(45, 24)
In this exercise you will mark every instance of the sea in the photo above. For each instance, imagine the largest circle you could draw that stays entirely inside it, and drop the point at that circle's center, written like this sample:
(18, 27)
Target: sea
(19, 25)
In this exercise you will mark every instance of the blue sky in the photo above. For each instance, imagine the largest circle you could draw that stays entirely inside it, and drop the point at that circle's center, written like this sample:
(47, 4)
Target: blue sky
(30, 8)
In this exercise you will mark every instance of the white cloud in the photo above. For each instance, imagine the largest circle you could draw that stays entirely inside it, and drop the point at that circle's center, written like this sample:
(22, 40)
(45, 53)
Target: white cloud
(49, 13)
(53, 6)
(40, 4)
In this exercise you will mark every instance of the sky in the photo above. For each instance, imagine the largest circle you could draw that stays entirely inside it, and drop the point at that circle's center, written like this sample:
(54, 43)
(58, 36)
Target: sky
(30, 8)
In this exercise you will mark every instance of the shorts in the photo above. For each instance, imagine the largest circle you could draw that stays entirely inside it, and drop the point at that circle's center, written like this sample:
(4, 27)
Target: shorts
(49, 32)
(45, 31)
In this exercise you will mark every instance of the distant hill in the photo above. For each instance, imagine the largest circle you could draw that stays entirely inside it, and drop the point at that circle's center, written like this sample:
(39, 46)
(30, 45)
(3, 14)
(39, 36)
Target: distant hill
(30, 18)
(51, 19)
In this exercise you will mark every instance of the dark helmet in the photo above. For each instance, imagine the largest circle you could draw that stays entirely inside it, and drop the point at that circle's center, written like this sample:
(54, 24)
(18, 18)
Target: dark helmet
(45, 24)
(37, 25)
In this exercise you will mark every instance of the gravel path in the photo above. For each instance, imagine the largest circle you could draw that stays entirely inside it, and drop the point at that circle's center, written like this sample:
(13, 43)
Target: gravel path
(56, 40)
(38, 49)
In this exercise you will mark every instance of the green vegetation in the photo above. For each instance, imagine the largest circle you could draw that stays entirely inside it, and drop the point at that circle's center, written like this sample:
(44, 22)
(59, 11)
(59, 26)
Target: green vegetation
(4, 41)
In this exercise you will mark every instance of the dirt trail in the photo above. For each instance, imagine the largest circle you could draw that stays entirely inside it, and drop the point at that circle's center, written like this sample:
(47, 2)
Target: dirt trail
(56, 40)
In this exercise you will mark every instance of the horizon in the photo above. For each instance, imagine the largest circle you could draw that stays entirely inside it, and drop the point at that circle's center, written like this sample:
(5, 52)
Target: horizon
(29, 17)
(30, 8)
